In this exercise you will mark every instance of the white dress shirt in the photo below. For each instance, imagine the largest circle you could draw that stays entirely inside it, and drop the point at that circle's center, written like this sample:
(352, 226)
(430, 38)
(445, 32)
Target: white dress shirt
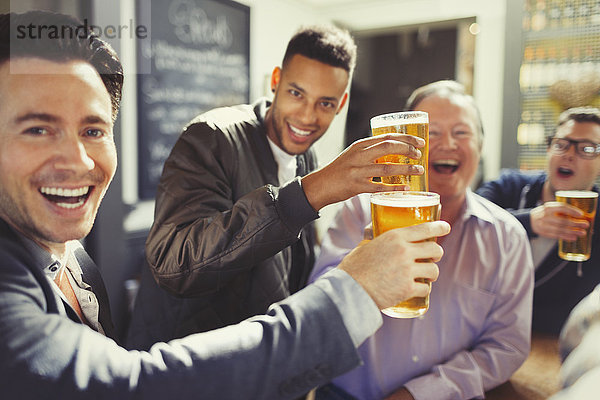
(286, 163)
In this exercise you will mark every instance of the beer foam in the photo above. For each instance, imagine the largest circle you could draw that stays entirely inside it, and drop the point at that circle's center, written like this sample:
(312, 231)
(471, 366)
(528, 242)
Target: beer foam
(403, 199)
(578, 194)
(394, 119)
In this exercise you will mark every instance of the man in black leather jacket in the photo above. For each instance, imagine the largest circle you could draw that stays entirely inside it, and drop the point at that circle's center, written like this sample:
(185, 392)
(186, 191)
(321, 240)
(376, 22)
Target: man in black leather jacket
(234, 209)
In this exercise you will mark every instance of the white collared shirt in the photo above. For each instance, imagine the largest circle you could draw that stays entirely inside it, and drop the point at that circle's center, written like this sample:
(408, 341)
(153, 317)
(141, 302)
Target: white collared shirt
(286, 163)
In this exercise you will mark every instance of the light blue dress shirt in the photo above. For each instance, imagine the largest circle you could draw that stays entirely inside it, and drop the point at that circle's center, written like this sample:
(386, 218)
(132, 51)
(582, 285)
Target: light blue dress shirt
(477, 330)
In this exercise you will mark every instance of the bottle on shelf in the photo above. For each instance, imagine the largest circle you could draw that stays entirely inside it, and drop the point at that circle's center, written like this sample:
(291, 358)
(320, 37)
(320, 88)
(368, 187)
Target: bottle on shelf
(582, 14)
(538, 68)
(595, 13)
(567, 14)
(538, 20)
(551, 68)
(563, 68)
(554, 14)
(526, 20)
(588, 67)
(576, 66)
(525, 71)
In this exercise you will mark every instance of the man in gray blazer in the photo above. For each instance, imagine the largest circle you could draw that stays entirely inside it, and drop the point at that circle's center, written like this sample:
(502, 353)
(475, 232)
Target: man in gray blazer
(59, 96)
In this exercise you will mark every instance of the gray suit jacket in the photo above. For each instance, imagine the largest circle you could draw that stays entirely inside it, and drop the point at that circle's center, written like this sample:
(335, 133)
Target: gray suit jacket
(302, 342)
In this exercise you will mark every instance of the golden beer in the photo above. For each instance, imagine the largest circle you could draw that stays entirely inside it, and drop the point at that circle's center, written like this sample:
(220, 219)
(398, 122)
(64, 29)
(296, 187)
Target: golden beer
(390, 210)
(581, 248)
(414, 123)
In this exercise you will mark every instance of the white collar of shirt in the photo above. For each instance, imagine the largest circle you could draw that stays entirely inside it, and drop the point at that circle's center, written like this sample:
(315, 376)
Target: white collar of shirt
(286, 163)
(475, 208)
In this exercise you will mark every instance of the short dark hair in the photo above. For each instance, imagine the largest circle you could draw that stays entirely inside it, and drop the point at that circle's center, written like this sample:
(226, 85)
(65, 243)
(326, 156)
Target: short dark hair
(327, 44)
(79, 44)
(579, 114)
(442, 88)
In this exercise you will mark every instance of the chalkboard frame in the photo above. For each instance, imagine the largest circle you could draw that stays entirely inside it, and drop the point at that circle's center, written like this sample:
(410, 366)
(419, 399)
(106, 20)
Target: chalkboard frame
(154, 145)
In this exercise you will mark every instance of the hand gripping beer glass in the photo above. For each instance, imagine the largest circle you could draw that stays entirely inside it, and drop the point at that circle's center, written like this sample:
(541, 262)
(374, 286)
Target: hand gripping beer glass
(581, 248)
(391, 210)
(414, 123)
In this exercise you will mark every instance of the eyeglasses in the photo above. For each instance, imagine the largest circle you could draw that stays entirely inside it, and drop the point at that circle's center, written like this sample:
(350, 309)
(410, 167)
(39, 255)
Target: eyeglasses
(583, 148)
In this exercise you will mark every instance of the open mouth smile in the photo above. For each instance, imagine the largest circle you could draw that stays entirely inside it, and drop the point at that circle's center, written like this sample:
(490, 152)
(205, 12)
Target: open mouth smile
(445, 166)
(299, 132)
(66, 198)
(564, 172)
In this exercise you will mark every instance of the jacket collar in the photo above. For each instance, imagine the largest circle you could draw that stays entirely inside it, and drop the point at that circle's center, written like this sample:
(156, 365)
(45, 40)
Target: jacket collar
(37, 259)
(531, 193)
(268, 165)
(42, 258)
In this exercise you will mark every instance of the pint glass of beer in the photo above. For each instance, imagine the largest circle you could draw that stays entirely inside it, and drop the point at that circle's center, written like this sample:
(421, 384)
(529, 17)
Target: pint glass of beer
(414, 123)
(586, 201)
(391, 210)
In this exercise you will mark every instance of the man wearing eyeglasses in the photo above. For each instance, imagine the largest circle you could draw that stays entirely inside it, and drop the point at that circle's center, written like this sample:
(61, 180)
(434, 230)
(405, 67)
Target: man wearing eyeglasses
(572, 164)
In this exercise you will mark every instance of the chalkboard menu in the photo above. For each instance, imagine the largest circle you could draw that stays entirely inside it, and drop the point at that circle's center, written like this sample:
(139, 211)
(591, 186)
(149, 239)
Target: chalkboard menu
(198, 58)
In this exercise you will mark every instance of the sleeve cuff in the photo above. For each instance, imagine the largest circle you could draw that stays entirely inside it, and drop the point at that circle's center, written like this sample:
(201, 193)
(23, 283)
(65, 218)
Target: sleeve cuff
(293, 206)
(428, 387)
(359, 312)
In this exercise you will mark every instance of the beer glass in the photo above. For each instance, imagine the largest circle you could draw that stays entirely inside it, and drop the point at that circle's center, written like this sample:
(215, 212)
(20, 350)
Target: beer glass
(414, 123)
(581, 248)
(391, 210)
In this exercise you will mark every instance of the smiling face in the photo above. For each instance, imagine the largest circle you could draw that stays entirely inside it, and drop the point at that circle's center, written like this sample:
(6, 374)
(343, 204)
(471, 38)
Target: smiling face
(568, 171)
(454, 145)
(57, 154)
(308, 95)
